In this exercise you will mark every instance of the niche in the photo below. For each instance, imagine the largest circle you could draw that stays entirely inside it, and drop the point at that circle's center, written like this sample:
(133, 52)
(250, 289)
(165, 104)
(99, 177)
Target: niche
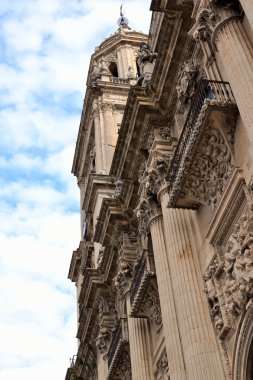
(113, 69)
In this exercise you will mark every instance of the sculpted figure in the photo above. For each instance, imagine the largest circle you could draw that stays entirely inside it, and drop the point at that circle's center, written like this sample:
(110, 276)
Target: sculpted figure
(145, 54)
(210, 287)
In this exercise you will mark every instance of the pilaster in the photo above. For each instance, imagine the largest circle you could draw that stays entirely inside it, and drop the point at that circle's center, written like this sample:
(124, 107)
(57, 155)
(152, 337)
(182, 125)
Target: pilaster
(197, 337)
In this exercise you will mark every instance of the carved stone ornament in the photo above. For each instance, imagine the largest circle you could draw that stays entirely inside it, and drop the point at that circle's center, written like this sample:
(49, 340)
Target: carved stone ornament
(162, 368)
(147, 209)
(123, 370)
(145, 54)
(103, 339)
(155, 176)
(206, 21)
(211, 291)
(187, 81)
(238, 286)
(150, 306)
(210, 20)
(106, 307)
(210, 171)
(100, 257)
(95, 73)
(229, 279)
(119, 186)
(146, 64)
(123, 278)
(165, 133)
(130, 239)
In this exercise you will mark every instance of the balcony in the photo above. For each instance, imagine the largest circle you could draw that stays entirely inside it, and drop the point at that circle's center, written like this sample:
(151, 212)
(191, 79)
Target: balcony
(213, 107)
(143, 272)
(119, 341)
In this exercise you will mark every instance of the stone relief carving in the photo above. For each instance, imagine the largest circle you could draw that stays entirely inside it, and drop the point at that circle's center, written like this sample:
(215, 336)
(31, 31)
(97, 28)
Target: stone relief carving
(146, 64)
(131, 74)
(187, 81)
(123, 370)
(123, 278)
(239, 265)
(100, 257)
(165, 133)
(103, 67)
(150, 306)
(130, 239)
(212, 296)
(156, 174)
(145, 54)
(106, 322)
(119, 186)
(147, 209)
(229, 278)
(162, 368)
(103, 338)
(210, 171)
(95, 73)
(205, 24)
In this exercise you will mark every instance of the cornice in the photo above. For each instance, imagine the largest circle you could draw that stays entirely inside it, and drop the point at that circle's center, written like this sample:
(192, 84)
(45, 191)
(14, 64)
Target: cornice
(96, 182)
(171, 5)
(109, 212)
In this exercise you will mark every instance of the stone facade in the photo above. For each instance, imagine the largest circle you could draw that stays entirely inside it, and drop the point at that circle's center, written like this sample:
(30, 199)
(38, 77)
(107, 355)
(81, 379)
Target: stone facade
(164, 162)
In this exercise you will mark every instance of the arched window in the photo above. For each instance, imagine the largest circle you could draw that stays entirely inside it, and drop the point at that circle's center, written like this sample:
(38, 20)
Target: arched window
(113, 69)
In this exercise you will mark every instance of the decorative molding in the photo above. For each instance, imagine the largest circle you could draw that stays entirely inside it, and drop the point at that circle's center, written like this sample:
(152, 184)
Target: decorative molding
(150, 307)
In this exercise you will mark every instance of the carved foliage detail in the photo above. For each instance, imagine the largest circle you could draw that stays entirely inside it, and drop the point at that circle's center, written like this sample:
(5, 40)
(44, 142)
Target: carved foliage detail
(210, 170)
(238, 266)
(229, 278)
(123, 370)
(187, 81)
(106, 322)
(150, 306)
(162, 367)
(123, 278)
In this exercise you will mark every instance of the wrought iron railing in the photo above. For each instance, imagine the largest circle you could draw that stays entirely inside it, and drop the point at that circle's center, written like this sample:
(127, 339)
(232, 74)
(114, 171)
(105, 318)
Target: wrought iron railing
(120, 337)
(219, 94)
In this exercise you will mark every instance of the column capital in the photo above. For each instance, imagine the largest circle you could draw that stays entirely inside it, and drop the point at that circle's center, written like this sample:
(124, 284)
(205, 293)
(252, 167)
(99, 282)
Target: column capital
(147, 211)
(210, 20)
(105, 106)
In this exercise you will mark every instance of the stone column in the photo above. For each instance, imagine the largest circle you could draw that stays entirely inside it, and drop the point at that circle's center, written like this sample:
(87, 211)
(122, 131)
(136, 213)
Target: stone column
(140, 347)
(198, 341)
(236, 54)
(102, 367)
(110, 133)
(168, 309)
(98, 142)
(248, 9)
(82, 186)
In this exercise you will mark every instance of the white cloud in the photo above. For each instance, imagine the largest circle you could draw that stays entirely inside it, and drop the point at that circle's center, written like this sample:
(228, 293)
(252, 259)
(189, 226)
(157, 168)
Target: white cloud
(44, 58)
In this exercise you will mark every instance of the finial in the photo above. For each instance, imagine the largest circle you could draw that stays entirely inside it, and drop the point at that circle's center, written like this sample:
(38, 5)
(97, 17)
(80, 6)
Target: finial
(122, 21)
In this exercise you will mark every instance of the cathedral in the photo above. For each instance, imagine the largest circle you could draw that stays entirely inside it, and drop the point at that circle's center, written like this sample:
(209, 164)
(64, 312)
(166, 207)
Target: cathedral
(164, 163)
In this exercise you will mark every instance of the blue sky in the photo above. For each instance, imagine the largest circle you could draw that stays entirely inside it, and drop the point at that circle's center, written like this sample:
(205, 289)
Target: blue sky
(45, 47)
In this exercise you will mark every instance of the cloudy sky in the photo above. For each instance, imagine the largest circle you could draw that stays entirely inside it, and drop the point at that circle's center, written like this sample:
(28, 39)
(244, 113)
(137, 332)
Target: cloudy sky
(44, 49)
